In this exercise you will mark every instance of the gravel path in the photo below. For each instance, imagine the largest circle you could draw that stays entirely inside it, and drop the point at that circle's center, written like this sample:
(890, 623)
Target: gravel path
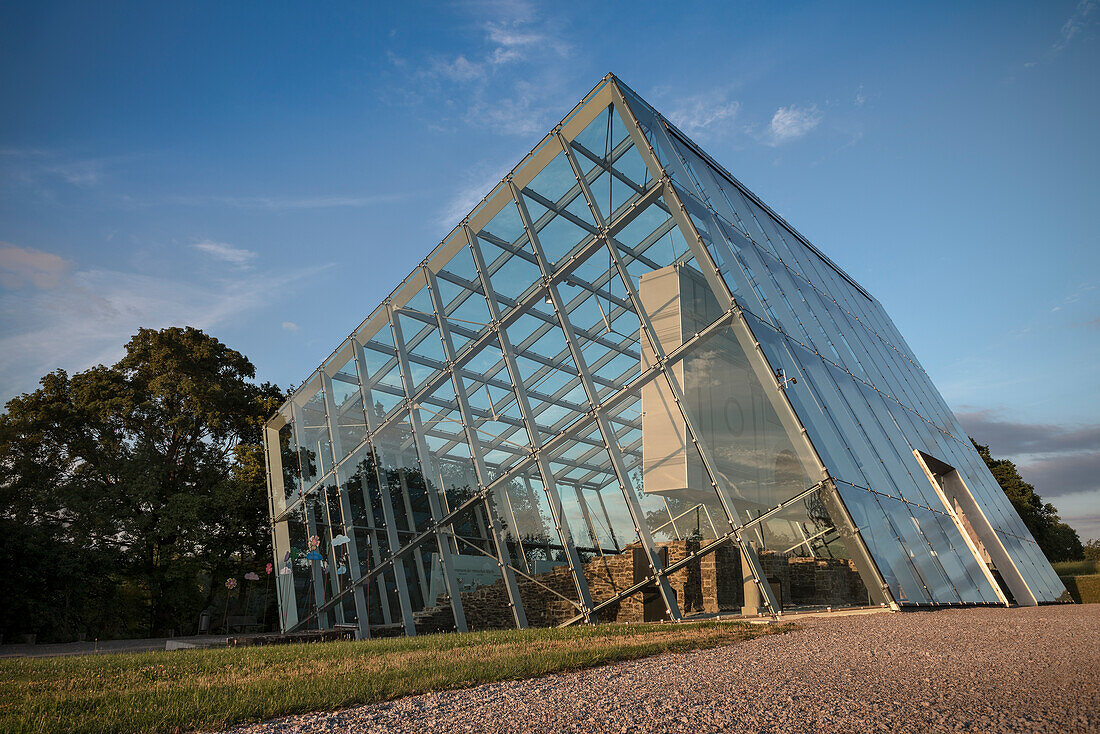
(972, 670)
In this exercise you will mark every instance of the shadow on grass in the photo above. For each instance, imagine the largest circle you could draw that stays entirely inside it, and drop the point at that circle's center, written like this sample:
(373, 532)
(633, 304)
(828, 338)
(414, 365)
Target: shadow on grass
(191, 690)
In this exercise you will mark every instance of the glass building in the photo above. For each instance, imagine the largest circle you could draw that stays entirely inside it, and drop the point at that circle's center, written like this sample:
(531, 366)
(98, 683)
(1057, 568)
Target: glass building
(623, 388)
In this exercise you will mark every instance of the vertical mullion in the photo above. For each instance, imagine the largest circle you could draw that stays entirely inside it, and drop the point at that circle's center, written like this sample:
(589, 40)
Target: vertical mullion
(315, 569)
(442, 542)
(612, 446)
(725, 301)
(280, 530)
(548, 482)
(781, 402)
(385, 498)
(361, 611)
(468, 425)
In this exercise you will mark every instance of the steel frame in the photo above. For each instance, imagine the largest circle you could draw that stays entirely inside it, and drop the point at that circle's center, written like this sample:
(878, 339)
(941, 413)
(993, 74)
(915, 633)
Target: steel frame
(535, 426)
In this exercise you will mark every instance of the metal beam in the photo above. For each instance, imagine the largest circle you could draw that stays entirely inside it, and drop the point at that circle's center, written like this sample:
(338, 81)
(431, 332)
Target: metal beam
(430, 489)
(502, 557)
(549, 484)
(667, 594)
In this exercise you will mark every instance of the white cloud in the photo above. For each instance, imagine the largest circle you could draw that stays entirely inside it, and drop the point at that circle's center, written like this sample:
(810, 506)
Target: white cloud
(478, 184)
(513, 42)
(21, 266)
(459, 70)
(226, 253)
(526, 111)
(37, 165)
(697, 113)
(84, 317)
(790, 123)
(281, 203)
(1075, 24)
(861, 98)
(291, 326)
(511, 80)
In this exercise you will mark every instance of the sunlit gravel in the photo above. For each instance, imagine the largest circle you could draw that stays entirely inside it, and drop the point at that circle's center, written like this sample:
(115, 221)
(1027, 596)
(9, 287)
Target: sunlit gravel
(971, 670)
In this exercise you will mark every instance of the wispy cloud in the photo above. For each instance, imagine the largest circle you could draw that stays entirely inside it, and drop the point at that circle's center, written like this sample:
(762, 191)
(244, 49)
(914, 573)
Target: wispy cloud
(43, 167)
(861, 97)
(699, 113)
(290, 326)
(71, 317)
(1084, 15)
(1076, 23)
(469, 192)
(459, 69)
(23, 266)
(791, 123)
(516, 40)
(226, 253)
(509, 80)
(275, 203)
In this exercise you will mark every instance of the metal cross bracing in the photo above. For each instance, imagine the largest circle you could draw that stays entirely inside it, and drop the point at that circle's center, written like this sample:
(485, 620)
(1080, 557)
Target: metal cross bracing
(499, 388)
(897, 395)
(629, 392)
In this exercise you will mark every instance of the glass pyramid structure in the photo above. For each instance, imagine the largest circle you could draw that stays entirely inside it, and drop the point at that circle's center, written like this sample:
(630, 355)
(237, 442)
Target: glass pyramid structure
(623, 388)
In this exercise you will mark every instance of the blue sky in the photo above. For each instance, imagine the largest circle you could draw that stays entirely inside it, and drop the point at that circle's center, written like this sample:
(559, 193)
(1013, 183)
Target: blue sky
(269, 171)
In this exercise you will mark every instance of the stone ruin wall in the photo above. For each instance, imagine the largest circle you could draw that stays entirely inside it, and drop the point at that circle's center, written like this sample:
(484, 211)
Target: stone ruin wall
(708, 585)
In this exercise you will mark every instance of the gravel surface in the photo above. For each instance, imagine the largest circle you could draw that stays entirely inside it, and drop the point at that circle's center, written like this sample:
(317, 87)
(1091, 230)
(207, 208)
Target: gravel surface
(974, 670)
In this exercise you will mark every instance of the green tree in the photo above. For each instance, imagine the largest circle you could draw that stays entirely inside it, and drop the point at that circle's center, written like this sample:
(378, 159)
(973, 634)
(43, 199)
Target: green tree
(1058, 541)
(1092, 550)
(151, 469)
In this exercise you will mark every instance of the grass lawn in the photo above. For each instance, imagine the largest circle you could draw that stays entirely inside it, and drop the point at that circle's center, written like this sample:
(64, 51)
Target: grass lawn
(1076, 568)
(187, 690)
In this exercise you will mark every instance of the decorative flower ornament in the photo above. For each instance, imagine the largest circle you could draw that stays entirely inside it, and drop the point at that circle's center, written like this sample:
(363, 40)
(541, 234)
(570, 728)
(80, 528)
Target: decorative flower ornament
(314, 542)
(270, 568)
(231, 583)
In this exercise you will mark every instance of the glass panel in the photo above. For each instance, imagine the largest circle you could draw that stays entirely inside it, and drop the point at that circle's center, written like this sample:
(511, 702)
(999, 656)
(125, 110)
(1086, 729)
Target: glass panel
(347, 399)
(311, 432)
(655, 132)
(496, 414)
(602, 526)
(387, 391)
(509, 258)
(464, 303)
(979, 589)
(673, 509)
(807, 563)
(291, 456)
(920, 551)
(554, 389)
(485, 601)
(545, 582)
(890, 556)
(732, 411)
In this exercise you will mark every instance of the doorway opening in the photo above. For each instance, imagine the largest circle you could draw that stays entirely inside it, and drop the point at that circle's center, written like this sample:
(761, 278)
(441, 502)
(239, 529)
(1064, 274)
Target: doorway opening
(957, 499)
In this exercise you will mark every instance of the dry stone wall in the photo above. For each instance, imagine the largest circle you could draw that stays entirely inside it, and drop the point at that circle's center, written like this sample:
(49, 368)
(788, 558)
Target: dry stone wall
(708, 585)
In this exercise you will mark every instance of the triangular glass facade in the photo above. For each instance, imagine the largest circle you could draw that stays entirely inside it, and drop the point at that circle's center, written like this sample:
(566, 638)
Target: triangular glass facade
(624, 389)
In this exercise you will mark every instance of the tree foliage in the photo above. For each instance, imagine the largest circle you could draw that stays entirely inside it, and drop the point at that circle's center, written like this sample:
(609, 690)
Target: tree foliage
(123, 486)
(1092, 550)
(1058, 541)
